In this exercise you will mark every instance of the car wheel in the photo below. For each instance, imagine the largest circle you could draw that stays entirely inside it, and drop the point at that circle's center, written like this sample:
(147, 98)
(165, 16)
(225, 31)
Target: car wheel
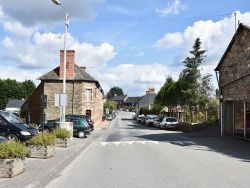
(12, 138)
(81, 134)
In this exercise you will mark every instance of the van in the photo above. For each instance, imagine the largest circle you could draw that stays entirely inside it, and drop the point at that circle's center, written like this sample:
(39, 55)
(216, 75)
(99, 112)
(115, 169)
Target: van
(14, 129)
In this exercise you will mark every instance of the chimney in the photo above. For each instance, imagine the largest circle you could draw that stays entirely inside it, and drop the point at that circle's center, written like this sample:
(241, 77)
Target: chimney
(151, 90)
(70, 63)
(83, 69)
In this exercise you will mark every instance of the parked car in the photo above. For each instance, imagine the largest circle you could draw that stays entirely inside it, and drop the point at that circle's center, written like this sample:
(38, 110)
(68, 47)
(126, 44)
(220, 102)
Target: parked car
(14, 129)
(140, 118)
(80, 127)
(157, 121)
(149, 120)
(87, 118)
(49, 125)
(109, 117)
(143, 120)
(2, 139)
(169, 123)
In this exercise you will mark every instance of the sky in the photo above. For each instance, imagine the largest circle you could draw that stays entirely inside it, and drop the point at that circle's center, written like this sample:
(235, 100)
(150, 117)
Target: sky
(131, 44)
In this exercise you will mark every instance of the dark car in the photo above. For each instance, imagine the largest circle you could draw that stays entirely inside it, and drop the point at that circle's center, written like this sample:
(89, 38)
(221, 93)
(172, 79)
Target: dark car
(14, 129)
(2, 139)
(80, 127)
(49, 125)
(87, 118)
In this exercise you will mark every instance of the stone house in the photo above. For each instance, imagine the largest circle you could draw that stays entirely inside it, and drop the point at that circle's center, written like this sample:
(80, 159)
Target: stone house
(146, 100)
(85, 94)
(130, 102)
(233, 75)
(120, 100)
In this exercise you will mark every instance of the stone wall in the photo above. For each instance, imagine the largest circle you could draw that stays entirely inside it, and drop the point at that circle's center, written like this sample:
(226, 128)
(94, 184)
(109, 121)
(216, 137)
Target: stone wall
(77, 103)
(235, 69)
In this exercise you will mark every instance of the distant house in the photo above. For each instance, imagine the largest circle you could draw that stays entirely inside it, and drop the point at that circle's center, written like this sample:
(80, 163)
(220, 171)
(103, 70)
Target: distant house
(120, 99)
(130, 102)
(233, 73)
(14, 105)
(146, 100)
(85, 94)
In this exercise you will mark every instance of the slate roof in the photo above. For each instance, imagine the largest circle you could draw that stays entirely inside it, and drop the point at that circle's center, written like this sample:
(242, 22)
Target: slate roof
(15, 103)
(241, 26)
(79, 75)
(119, 98)
(147, 99)
(132, 99)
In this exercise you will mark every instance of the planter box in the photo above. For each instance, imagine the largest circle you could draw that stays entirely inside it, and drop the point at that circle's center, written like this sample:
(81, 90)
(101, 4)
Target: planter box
(11, 167)
(60, 142)
(41, 151)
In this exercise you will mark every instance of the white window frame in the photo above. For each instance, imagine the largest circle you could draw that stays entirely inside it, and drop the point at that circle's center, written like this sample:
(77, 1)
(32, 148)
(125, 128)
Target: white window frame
(89, 94)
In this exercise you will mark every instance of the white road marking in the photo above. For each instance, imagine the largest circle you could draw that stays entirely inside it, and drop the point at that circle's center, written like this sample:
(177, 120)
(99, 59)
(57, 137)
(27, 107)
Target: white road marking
(128, 142)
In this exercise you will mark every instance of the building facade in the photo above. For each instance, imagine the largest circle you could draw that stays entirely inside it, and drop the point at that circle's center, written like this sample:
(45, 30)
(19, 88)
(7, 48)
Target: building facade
(84, 93)
(233, 75)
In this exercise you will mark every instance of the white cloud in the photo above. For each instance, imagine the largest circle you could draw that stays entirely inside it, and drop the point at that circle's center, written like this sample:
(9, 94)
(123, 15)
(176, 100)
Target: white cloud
(19, 74)
(169, 40)
(128, 76)
(173, 7)
(46, 12)
(215, 38)
(93, 56)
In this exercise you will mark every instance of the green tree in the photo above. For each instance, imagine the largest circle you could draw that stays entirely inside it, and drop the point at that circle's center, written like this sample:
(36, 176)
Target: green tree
(111, 105)
(12, 89)
(167, 97)
(195, 88)
(114, 91)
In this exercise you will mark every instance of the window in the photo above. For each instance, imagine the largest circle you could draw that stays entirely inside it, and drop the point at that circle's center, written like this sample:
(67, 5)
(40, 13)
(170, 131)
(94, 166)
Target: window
(88, 94)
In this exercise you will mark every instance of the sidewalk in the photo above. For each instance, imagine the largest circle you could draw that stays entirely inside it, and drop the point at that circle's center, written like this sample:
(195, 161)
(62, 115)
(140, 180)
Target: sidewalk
(227, 145)
(102, 125)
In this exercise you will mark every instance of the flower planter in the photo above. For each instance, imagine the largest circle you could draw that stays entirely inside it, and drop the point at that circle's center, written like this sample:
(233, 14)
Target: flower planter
(11, 167)
(42, 152)
(61, 142)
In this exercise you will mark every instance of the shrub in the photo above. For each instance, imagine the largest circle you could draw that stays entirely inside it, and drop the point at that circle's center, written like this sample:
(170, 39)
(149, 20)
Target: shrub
(13, 150)
(62, 133)
(185, 127)
(43, 139)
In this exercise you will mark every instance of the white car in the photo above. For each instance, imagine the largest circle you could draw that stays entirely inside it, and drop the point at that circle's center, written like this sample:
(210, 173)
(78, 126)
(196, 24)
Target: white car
(169, 123)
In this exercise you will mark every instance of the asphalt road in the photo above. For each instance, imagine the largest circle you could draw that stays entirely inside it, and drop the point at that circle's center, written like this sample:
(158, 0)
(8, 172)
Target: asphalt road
(131, 155)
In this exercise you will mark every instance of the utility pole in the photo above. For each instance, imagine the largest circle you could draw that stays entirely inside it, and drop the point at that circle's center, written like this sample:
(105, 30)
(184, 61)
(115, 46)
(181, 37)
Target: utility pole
(235, 21)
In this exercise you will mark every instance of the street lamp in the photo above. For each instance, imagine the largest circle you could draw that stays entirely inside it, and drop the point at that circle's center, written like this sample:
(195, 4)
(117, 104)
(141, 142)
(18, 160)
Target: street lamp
(64, 63)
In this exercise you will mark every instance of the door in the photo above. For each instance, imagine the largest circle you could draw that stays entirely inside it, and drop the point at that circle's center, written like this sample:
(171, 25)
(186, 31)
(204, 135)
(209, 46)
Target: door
(88, 113)
(248, 125)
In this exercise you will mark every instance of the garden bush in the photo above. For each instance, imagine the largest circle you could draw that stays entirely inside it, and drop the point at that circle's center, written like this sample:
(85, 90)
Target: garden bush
(62, 133)
(43, 139)
(13, 150)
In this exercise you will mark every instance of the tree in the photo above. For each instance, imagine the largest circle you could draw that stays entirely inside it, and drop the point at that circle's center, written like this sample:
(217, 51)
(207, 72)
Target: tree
(166, 97)
(114, 91)
(195, 88)
(12, 89)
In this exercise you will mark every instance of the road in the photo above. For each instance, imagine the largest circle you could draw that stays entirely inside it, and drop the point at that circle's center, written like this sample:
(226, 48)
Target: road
(131, 155)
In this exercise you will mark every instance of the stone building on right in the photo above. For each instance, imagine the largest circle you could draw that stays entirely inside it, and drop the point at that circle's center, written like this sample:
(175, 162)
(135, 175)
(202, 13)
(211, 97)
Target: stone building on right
(233, 76)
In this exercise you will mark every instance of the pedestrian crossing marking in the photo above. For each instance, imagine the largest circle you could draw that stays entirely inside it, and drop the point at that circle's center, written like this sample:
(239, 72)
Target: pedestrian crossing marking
(128, 142)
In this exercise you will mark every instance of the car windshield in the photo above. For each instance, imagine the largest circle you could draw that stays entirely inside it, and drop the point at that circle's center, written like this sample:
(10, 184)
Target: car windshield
(10, 117)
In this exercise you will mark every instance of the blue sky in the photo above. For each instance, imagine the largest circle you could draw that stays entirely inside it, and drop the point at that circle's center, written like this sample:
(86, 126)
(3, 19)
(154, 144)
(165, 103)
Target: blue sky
(132, 44)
